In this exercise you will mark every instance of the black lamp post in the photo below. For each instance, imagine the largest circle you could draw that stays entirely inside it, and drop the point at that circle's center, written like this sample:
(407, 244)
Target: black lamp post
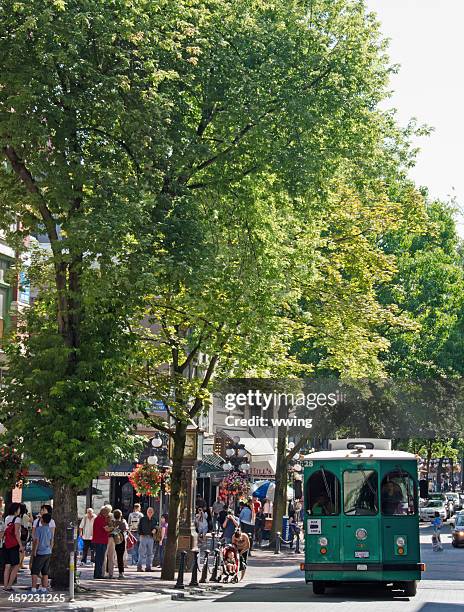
(237, 461)
(159, 456)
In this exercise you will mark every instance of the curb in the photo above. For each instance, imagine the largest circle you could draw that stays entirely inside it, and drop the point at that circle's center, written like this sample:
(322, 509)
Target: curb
(126, 603)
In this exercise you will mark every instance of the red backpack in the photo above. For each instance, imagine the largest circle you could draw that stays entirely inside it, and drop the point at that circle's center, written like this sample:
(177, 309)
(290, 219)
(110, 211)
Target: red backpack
(10, 540)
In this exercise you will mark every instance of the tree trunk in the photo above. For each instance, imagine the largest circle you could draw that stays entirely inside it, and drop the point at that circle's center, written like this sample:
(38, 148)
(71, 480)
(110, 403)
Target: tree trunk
(169, 565)
(439, 473)
(280, 491)
(64, 513)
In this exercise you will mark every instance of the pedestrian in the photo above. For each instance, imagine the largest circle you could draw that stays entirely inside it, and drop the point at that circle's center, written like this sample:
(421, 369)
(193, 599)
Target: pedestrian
(146, 530)
(246, 522)
(267, 508)
(222, 516)
(134, 520)
(294, 530)
(44, 509)
(229, 526)
(119, 535)
(216, 508)
(242, 543)
(260, 522)
(25, 532)
(42, 546)
(110, 556)
(437, 524)
(12, 545)
(100, 539)
(163, 537)
(201, 524)
(86, 533)
(255, 505)
(200, 503)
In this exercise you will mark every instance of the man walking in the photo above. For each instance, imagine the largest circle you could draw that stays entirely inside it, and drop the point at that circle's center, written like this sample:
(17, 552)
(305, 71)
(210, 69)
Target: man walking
(246, 521)
(133, 521)
(146, 530)
(100, 538)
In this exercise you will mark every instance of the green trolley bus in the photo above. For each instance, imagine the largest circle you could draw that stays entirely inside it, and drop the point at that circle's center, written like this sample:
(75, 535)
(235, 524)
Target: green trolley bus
(361, 516)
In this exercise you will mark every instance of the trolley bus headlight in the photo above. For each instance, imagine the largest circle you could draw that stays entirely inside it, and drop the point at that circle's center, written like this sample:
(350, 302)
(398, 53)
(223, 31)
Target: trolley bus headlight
(400, 542)
(361, 534)
(323, 541)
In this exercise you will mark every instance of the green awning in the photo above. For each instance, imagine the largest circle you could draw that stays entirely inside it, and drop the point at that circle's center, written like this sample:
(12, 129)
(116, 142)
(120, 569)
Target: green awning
(35, 491)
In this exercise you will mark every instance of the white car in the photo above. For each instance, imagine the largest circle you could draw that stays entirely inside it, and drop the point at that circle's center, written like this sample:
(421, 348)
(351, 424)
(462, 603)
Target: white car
(427, 513)
(454, 497)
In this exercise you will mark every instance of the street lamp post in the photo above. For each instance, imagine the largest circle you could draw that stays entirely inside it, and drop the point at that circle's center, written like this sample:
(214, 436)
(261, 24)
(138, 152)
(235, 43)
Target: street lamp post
(160, 457)
(237, 461)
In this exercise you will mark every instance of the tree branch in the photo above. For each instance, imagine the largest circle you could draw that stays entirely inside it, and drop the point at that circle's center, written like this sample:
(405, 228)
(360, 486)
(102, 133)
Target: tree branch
(28, 180)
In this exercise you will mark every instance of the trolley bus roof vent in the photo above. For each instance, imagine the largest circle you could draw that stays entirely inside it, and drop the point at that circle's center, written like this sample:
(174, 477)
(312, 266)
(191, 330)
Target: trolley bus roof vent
(358, 445)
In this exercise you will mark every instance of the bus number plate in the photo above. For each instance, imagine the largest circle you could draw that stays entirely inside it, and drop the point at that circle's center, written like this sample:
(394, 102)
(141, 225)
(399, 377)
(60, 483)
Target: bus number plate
(361, 554)
(361, 567)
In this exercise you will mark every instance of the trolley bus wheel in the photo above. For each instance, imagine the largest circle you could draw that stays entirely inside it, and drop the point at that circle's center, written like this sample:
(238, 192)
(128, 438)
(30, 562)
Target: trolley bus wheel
(410, 588)
(318, 587)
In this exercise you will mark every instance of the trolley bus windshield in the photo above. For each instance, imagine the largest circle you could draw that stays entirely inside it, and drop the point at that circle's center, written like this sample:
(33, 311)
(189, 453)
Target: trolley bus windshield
(360, 492)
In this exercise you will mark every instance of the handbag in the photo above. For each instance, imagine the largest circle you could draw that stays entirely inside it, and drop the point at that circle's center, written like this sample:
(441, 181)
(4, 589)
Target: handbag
(131, 541)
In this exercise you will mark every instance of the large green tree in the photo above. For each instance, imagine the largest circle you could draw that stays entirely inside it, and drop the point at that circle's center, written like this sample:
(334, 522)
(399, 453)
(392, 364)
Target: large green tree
(275, 116)
(81, 119)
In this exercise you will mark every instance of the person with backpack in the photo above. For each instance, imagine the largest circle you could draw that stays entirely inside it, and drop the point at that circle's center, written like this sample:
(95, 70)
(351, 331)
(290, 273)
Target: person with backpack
(42, 545)
(133, 521)
(12, 545)
(119, 535)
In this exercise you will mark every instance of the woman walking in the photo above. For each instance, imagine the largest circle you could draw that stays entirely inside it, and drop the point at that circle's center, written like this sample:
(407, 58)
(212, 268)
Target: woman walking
(119, 536)
(12, 545)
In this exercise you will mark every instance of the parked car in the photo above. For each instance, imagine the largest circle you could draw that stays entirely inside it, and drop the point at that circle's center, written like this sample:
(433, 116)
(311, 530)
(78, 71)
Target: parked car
(454, 497)
(457, 531)
(447, 503)
(427, 513)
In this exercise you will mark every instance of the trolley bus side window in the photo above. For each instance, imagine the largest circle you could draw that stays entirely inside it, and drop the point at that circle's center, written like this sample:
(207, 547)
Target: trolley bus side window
(360, 492)
(323, 494)
(398, 494)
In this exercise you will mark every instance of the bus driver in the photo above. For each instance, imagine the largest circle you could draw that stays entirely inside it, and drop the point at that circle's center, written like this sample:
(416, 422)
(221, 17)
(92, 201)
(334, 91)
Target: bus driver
(392, 498)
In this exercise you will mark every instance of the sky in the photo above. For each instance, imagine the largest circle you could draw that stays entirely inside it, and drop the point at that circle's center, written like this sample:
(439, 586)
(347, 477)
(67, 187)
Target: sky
(426, 39)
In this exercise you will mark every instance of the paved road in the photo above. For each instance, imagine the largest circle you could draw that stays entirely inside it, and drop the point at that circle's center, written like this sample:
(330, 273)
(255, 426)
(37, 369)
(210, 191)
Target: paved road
(276, 583)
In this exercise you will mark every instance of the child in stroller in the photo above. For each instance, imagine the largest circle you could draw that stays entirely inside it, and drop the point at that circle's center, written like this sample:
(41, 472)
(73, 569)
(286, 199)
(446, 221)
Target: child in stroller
(229, 564)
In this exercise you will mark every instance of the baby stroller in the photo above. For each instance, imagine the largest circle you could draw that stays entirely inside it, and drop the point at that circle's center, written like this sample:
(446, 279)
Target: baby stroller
(230, 564)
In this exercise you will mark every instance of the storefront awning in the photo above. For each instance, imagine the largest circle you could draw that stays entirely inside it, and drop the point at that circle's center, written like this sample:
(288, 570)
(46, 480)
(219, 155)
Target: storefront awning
(35, 491)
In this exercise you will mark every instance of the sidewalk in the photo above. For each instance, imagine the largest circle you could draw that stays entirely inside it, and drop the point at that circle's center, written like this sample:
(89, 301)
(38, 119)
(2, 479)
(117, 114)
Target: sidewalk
(138, 587)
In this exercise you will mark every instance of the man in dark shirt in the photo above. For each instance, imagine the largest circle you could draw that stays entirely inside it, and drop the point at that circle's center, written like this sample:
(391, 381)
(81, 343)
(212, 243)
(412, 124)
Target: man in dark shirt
(147, 529)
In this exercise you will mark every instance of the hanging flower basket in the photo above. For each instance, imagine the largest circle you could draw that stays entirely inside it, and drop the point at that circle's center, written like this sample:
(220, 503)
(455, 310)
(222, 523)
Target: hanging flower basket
(147, 480)
(235, 484)
(12, 473)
